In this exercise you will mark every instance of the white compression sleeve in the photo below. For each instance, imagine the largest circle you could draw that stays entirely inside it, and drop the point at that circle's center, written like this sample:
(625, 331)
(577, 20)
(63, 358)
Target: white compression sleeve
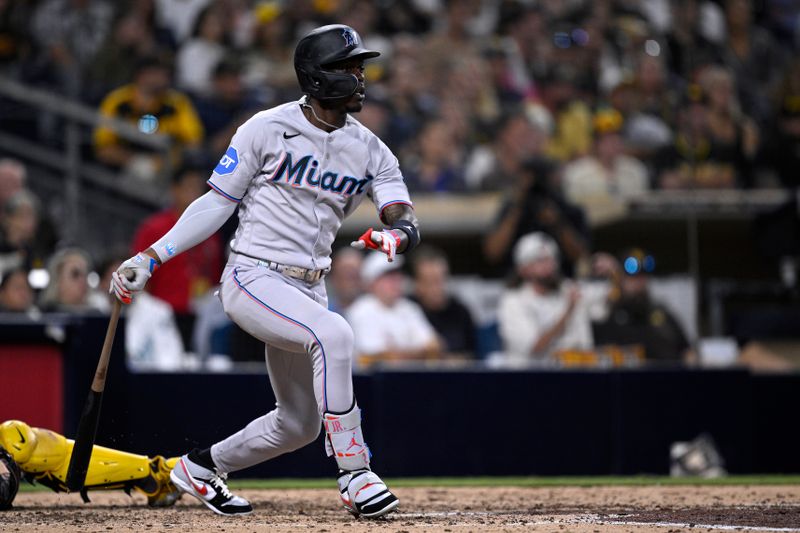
(201, 219)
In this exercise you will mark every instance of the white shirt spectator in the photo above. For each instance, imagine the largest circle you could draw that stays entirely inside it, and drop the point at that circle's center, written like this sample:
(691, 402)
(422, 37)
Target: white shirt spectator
(195, 64)
(586, 179)
(524, 315)
(152, 340)
(378, 328)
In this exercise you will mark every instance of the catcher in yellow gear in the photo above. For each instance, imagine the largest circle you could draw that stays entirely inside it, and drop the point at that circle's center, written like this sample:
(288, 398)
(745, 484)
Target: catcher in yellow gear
(43, 456)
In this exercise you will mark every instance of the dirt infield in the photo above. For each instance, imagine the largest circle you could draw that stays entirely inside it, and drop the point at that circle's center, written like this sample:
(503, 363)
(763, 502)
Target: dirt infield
(552, 509)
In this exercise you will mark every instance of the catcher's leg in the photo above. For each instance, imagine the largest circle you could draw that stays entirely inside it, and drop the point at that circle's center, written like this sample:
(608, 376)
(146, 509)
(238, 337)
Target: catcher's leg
(44, 456)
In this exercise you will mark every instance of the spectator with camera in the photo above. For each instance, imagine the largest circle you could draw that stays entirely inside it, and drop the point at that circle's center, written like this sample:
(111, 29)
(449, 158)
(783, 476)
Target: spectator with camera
(534, 205)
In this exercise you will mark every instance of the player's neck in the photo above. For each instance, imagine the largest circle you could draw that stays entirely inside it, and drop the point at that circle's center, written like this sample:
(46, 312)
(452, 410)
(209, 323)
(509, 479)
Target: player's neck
(325, 119)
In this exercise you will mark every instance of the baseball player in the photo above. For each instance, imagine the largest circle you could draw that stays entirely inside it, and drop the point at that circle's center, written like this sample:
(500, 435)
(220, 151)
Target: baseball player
(295, 171)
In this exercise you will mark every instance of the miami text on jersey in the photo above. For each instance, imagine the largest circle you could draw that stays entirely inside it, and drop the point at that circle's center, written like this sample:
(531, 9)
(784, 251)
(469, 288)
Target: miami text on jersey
(305, 172)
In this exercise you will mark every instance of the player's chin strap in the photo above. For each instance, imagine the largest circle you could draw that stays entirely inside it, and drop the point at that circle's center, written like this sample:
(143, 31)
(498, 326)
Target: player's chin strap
(345, 441)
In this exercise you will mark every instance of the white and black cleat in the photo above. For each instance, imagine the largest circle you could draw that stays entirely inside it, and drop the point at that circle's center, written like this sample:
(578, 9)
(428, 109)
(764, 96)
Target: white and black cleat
(364, 494)
(209, 487)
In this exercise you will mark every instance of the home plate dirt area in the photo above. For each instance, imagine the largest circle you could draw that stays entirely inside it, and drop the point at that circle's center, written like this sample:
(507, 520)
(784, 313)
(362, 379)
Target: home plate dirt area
(554, 509)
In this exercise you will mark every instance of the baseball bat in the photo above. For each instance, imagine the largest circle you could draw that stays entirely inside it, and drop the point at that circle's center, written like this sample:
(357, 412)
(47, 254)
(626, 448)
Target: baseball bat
(87, 427)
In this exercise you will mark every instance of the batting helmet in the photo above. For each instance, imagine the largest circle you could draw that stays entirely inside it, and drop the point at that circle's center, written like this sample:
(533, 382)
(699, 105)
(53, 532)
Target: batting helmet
(323, 47)
(9, 479)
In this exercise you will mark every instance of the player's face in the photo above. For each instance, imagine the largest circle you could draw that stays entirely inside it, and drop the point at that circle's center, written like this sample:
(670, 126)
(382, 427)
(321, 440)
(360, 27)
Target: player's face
(354, 103)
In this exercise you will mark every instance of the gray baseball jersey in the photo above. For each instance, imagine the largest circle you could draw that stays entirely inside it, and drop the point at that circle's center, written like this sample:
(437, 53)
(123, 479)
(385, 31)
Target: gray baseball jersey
(296, 183)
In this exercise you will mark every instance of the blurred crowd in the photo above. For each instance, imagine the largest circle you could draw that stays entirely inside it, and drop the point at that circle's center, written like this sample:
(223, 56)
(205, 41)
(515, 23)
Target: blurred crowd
(558, 105)
(606, 98)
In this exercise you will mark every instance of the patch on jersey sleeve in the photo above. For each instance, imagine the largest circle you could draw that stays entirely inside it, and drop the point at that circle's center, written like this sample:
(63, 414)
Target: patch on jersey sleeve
(228, 163)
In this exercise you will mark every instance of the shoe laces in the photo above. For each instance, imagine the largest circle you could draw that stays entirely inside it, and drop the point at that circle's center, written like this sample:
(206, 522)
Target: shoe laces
(218, 480)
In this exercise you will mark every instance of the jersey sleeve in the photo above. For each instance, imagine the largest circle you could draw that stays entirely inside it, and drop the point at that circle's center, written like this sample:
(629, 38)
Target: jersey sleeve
(241, 162)
(388, 186)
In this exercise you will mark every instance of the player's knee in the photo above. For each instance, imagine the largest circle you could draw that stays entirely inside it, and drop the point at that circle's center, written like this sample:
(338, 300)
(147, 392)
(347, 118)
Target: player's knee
(300, 430)
(309, 430)
(337, 339)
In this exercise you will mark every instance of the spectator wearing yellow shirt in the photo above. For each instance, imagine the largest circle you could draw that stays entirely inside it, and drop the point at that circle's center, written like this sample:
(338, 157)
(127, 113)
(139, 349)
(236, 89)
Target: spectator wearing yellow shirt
(149, 94)
(572, 117)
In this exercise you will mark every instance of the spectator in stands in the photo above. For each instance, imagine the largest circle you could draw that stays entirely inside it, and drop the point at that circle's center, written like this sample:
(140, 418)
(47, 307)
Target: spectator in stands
(649, 103)
(535, 205)
(69, 34)
(693, 161)
(12, 179)
(688, 45)
(198, 56)
(435, 165)
(268, 64)
(149, 94)
(179, 17)
(386, 325)
(190, 275)
(497, 166)
(449, 317)
(15, 39)
(572, 117)
(227, 106)
(19, 246)
(133, 37)
(607, 175)
(409, 92)
(545, 315)
(733, 134)
(754, 58)
(344, 283)
(635, 321)
(782, 149)
(152, 338)
(68, 288)
(16, 294)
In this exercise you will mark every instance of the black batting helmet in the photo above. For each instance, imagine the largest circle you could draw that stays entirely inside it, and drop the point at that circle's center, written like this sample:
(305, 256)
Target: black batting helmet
(9, 479)
(323, 47)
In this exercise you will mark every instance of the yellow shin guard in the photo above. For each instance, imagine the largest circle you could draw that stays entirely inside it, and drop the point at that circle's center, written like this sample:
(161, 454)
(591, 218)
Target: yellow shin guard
(44, 455)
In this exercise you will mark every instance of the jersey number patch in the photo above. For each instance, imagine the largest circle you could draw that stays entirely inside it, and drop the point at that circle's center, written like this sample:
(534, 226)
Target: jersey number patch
(228, 162)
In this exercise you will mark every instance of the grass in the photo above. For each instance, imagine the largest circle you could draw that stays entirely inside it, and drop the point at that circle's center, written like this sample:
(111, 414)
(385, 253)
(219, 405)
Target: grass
(328, 483)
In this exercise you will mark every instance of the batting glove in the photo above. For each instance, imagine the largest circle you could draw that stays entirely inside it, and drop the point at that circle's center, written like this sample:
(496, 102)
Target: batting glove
(131, 277)
(386, 241)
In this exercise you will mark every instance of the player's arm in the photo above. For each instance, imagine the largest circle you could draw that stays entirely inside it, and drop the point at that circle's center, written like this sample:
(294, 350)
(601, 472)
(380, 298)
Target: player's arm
(197, 223)
(390, 195)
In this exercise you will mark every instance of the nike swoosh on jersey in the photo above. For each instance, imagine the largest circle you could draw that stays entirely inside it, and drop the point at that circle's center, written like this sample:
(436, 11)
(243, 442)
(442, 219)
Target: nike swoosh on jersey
(21, 437)
(287, 136)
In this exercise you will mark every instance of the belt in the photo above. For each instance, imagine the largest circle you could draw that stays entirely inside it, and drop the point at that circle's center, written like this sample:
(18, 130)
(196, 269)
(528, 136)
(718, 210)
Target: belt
(303, 274)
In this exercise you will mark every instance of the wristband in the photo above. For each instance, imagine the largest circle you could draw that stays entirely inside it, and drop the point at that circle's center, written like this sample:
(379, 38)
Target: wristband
(410, 230)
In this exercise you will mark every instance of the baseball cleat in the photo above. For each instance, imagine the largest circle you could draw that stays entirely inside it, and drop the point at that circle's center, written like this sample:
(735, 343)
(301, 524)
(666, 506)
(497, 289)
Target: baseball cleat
(364, 494)
(209, 487)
